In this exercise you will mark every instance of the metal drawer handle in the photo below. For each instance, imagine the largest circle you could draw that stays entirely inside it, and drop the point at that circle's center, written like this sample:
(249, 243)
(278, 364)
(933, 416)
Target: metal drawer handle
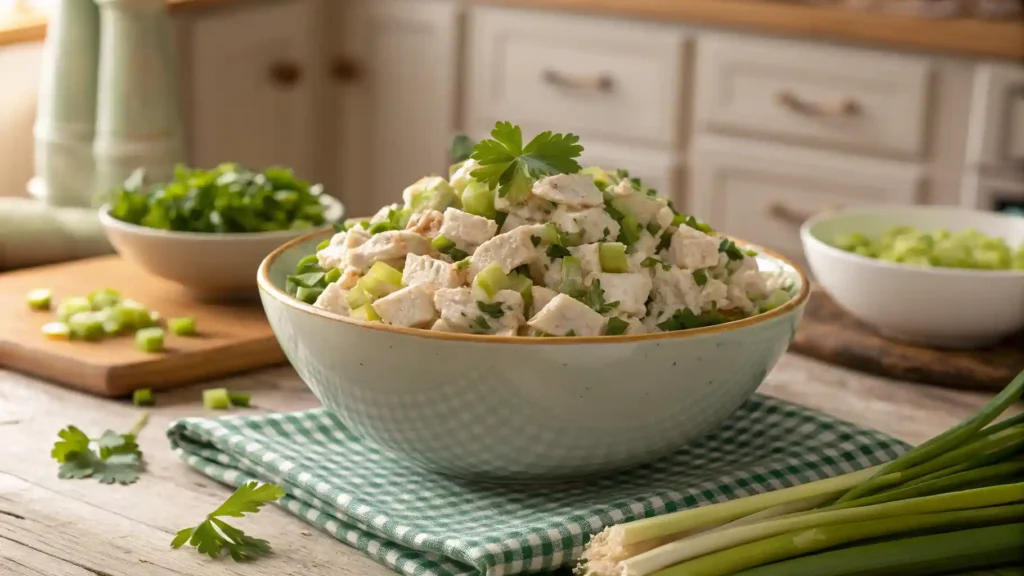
(842, 108)
(596, 83)
(791, 216)
(285, 74)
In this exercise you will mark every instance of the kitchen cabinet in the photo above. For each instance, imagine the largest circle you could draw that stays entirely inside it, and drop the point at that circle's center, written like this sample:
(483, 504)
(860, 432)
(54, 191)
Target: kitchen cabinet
(393, 93)
(251, 93)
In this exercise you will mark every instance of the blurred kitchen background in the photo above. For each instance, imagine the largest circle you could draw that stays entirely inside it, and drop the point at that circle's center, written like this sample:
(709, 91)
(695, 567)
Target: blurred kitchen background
(750, 114)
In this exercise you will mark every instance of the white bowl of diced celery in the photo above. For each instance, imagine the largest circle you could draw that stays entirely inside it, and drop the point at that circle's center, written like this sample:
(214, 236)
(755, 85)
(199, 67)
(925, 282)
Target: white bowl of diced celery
(935, 276)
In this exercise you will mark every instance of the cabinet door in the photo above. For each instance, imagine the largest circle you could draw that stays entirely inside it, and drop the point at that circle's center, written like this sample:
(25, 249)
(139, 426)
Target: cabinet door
(763, 193)
(393, 94)
(252, 70)
(995, 142)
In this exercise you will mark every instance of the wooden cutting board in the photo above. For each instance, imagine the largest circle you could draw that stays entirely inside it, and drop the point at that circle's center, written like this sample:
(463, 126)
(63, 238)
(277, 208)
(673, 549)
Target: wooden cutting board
(232, 337)
(828, 333)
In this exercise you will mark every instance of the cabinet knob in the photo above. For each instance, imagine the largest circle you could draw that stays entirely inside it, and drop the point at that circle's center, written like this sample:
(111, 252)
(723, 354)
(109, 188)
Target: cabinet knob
(345, 70)
(842, 108)
(285, 74)
(601, 83)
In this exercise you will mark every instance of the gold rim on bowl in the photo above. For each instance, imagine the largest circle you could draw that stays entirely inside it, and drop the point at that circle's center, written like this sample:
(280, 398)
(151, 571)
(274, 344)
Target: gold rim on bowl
(265, 285)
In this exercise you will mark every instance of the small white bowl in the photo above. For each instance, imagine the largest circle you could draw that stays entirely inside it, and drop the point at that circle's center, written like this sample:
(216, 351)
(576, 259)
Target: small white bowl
(939, 307)
(208, 265)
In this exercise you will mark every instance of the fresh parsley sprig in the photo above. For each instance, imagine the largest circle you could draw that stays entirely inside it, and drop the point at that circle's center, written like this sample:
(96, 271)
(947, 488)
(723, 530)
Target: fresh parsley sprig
(510, 167)
(594, 297)
(117, 457)
(214, 536)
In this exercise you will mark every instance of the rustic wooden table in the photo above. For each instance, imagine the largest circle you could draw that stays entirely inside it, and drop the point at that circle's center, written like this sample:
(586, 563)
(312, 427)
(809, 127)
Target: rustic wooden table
(54, 527)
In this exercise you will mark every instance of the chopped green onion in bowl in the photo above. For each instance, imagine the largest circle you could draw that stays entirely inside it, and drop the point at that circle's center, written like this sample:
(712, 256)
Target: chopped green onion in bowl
(938, 248)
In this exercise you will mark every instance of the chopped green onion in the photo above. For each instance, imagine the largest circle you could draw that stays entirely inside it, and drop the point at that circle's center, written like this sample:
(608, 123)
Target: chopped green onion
(491, 279)
(365, 312)
(56, 331)
(71, 306)
(104, 298)
(40, 299)
(143, 397)
(612, 256)
(616, 327)
(150, 339)
(185, 326)
(572, 276)
(242, 399)
(216, 399)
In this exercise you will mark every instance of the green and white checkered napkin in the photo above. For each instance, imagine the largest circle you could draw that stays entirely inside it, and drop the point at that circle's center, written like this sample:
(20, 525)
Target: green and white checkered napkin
(422, 523)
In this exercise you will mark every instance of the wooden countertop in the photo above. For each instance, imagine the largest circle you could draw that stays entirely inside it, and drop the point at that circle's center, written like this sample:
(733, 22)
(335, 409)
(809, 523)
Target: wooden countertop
(965, 37)
(53, 527)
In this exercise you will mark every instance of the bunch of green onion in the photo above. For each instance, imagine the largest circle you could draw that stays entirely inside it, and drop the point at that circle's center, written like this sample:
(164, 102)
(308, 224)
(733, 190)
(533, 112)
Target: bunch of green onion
(955, 502)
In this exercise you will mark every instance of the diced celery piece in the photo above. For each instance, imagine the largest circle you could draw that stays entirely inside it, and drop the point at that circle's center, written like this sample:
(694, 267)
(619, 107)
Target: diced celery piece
(365, 312)
(491, 279)
(308, 295)
(117, 320)
(56, 331)
(150, 339)
(602, 178)
(71, 306)
(87, 326)
(630, 230)
(104, 298)
(40, 299)
(357, 297)
(143, 397)
(333, 275)
(382, 227)
(429, 193)
(184, 326)
(380, 280)
(523, 285)
(478, 198)
(613, 257)
(242, 399)
(309, 279)
(572, 276)
(385, 273)
(442, 244)
(308, 264)
(216, 399)
(140, 316)
(776, 299)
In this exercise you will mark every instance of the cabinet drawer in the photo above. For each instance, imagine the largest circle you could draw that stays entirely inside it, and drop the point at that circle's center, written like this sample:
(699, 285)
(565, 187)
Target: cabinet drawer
(996, 134)
(587, 75)
(763, 193)
(811, 93)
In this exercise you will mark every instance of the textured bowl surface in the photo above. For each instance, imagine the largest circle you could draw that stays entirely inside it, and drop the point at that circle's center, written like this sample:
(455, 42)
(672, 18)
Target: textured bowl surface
(940, 307)
(208, 265)
(524, 409)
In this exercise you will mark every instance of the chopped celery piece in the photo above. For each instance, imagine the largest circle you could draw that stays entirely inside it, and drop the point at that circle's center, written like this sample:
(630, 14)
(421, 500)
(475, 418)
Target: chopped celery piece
(140, 316)
(216, 399)
(143, 397)
(523, 285)
(150, 339)
(71, 306)
(630, 230)
(572, 276)
(87, 326)
(308, 295)
(357, 297)
(40, 299)
(380, 280)
(365, 312)
(478, 198)
(429, 193)
(240, 399)
(442, 244)
(382, 227)
(117, 320)
(326, 242)
(491, 279)
(56, 331)
(776, 299)
(104, 298)
(308, 264)
(613, 257)
(602, 178)
(308, 280)
(185, 326)
(333, 275)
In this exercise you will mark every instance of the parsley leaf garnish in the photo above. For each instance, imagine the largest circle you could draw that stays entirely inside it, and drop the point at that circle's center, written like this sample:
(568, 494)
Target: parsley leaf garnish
(594, 297)
(664, 243)
(650, 262)
(492, 309)
(730, 249)
(700, 277)
(556, 251)
(118, 459)
(481, 323)
(684, 319)
(511, 167)
(616, 327)
(535, 240)
(214, 536)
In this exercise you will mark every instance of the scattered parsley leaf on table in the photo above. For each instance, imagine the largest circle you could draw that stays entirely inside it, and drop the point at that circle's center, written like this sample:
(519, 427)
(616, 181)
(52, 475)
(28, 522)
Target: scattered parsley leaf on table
(118, 459)
(511, 167)
(214, 536)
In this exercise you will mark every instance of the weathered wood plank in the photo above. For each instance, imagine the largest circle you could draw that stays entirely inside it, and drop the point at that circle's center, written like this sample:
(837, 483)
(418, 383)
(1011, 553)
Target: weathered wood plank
(19, 560)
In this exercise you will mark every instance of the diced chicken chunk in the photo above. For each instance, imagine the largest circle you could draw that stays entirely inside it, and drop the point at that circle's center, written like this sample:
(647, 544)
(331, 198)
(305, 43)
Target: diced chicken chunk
(411, 306)
(674, 289)
(430, 271)
(590, 258)
(645, 208)
(461, 311)
(335, 254)
(442, 325)
(534, 211)
(590, 225)
(745, 283)
(383, 213)
(467, 231)
(629, 290)
(509, 250)
(693, 249)
(715, 292)
(541, 297)
(573, 190)
(565, 315)
(349, 278)
(332, 299)
(426, 224)
(386, 246)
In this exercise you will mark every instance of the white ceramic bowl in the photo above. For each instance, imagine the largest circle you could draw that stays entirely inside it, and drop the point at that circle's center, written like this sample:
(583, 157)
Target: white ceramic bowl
(208, 265)
(940, 307)
(517, 408)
